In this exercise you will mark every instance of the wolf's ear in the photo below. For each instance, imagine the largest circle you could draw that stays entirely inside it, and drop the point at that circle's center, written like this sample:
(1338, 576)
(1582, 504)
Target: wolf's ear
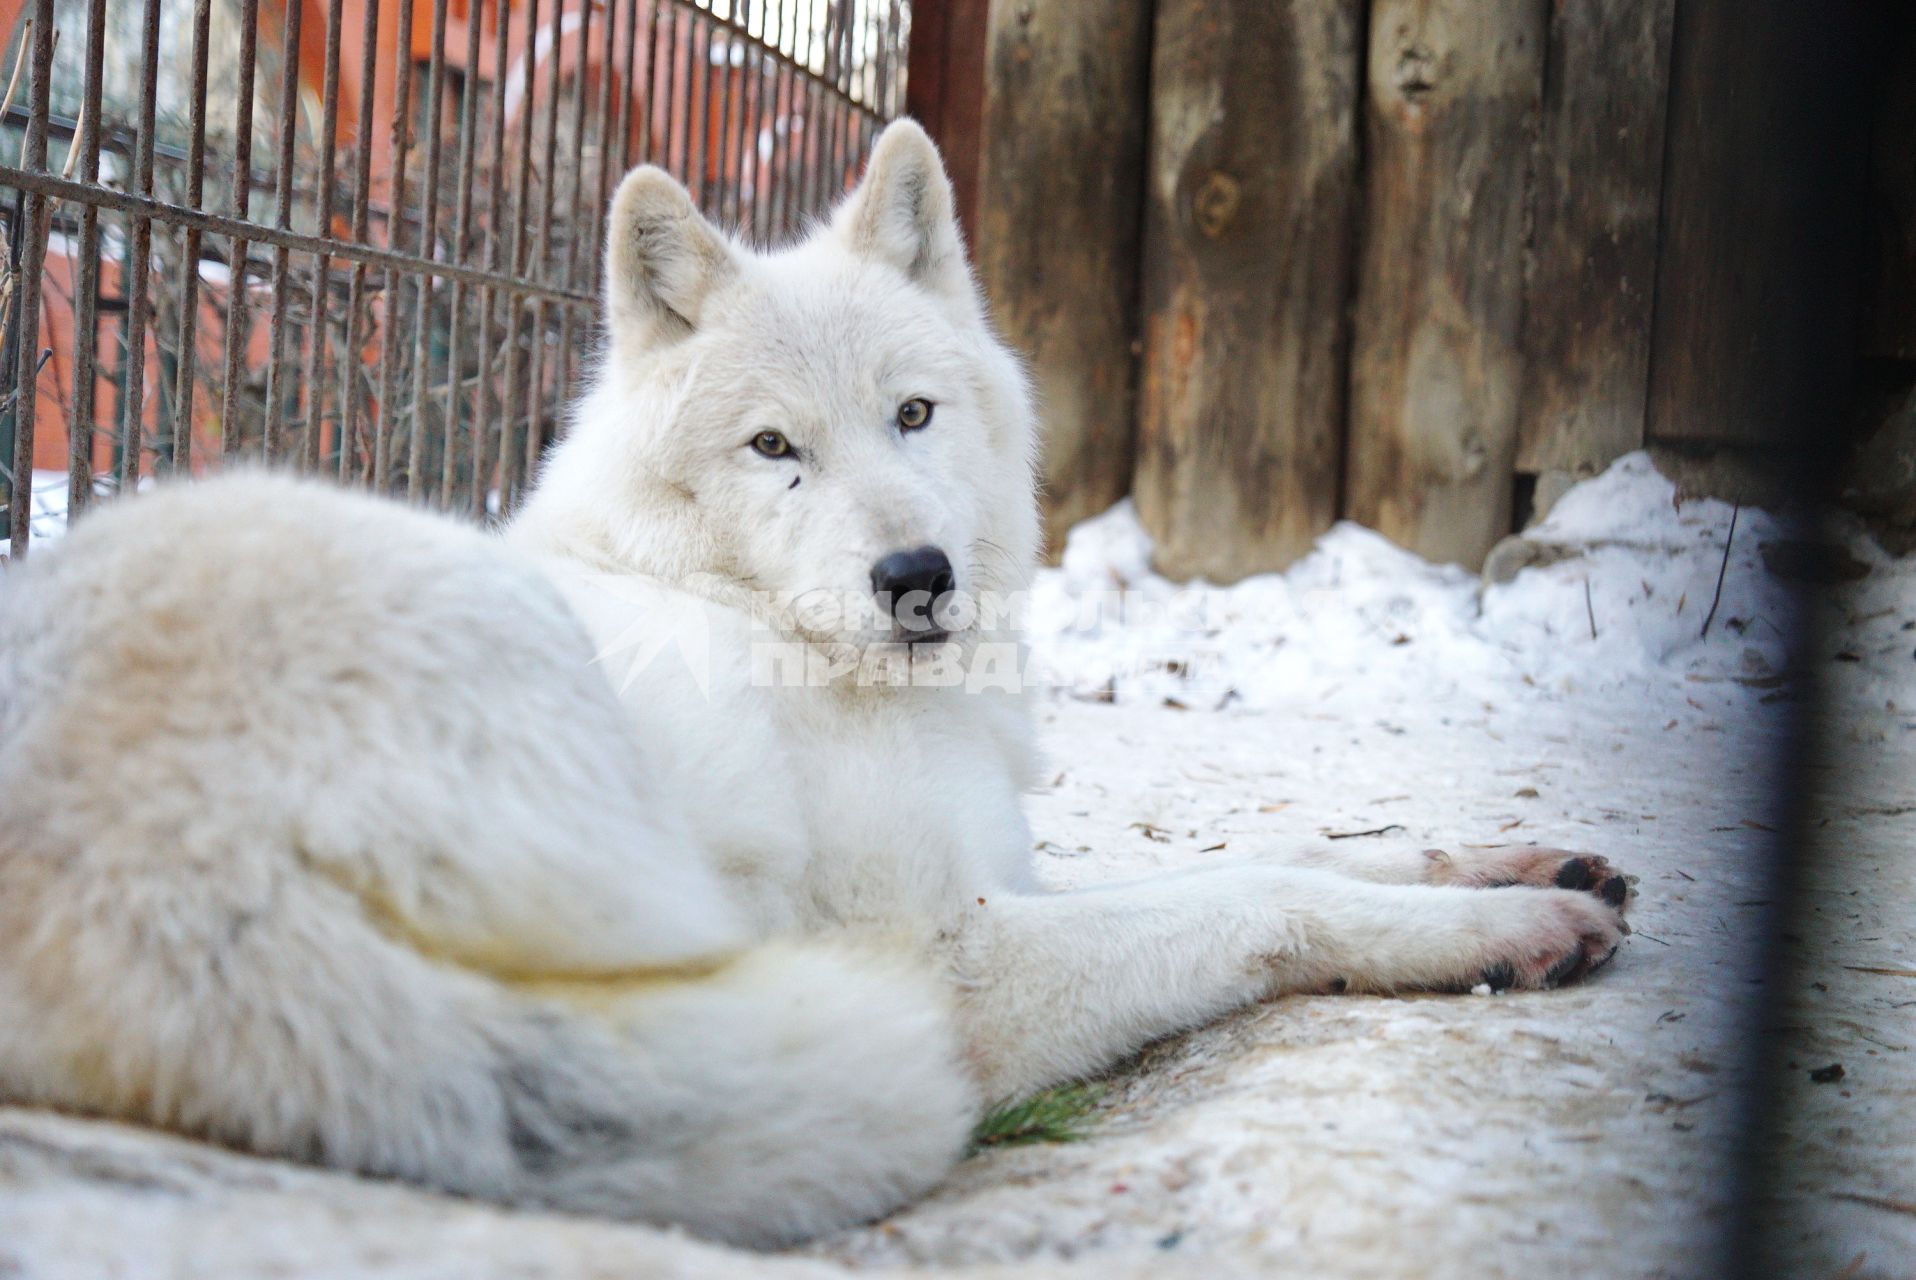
(903, 213)
(662, 259)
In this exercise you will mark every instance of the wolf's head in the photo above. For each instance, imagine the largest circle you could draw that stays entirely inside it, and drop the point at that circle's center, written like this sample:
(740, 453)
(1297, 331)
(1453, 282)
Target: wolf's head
(829, 421)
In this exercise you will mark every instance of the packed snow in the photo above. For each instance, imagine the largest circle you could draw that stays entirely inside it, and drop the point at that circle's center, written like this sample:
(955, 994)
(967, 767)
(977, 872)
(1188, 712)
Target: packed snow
(1362, 695)
(1361, 619)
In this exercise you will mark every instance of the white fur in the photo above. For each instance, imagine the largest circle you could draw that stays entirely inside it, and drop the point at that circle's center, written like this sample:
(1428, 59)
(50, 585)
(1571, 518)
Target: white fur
(323, 831)
(320, 836)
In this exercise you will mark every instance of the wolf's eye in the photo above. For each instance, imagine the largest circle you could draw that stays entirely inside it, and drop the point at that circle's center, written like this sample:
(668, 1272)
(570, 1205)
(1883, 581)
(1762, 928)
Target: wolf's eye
(770, 444)
(914, 413)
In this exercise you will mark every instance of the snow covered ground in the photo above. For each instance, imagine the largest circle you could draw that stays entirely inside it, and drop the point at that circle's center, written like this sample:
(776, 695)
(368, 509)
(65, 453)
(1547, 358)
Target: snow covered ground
(1362, 696)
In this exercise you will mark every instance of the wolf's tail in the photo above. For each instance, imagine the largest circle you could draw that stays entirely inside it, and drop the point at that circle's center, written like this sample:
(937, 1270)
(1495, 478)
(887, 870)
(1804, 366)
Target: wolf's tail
(799, 1088)
(790, 1090)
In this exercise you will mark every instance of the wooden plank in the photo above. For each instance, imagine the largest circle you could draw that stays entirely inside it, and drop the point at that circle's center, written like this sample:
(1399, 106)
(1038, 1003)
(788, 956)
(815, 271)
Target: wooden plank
(1755, 331)
(945, 90)
(1249, 221)
(1059, 209)
(1588, 287)
(1453, 90)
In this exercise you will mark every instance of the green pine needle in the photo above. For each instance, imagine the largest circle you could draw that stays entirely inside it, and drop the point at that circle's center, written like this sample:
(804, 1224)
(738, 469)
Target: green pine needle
(1056, 1115)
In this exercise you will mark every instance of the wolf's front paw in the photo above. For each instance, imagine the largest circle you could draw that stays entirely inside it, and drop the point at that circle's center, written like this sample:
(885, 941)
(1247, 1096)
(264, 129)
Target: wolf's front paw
(1540, 939)
(1534, 865)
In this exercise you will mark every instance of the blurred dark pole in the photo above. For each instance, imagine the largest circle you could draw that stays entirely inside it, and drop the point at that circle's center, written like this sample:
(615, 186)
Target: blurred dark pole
(1755, 361)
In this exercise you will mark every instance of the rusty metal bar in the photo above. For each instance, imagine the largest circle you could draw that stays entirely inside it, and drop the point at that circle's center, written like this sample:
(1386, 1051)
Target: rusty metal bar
(882, 96)
(784, 116)
(428, 241)
(482, 465)
(767, 74)
(625, 99)
(138, 263)
(238, 310)
(658, 91)
(815, 86)
(578, 184)
(708, 188)
(744, 140)
(608, 60)
(725, 206)
(691, 99)
(512, 458)
(536, 379)
(186, 376)
(765, 183)
(549, 172)
(282, 221)
(351, 370)
(33, 153)
(461, 229)
(679, 139)
(579, 81)
(86, 325)
(814, 145)
(323, 225)
(395, 234)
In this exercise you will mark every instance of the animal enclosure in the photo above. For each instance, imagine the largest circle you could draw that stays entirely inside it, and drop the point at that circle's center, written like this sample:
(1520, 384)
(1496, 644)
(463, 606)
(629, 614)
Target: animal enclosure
(362, 236)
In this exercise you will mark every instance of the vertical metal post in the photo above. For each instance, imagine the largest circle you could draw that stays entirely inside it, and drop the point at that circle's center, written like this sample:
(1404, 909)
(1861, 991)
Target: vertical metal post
(282, 220)
(322, 263)
(186, 376)
(535, 382)
(573, 238)
(428, 246)
(482, 432)
(238, 312)
(138, 262)
(395, 239)
(351, 372)
(86, 324)
(461, 228)
(512, 459)
(32, 259)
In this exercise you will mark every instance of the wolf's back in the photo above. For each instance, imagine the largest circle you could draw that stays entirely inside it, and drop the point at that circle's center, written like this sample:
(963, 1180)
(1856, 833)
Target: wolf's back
(320, 837)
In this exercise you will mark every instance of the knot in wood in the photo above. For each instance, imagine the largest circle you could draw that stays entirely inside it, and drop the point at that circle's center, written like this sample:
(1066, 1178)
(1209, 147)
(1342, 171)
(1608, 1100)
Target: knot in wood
(1215, 204)
(1416, 73)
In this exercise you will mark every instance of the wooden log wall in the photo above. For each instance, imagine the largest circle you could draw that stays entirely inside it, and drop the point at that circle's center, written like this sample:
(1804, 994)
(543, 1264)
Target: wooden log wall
(1589, 281)
(1058, 248)
(1249, 225)
(1411, 262)
(1452, 91)
(1755, 328)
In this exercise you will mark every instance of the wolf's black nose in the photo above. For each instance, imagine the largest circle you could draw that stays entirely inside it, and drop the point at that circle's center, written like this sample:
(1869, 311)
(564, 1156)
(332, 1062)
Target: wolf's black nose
(914, 581)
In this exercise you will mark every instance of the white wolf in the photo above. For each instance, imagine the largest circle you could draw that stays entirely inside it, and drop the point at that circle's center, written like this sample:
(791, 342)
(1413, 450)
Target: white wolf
(321, 833)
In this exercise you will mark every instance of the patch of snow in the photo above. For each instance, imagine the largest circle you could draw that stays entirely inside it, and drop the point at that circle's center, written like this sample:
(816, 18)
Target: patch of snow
(49, 518)
(1358, 618)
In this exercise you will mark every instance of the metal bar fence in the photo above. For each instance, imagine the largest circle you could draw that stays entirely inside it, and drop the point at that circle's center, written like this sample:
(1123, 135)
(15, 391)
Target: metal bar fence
(428, 265)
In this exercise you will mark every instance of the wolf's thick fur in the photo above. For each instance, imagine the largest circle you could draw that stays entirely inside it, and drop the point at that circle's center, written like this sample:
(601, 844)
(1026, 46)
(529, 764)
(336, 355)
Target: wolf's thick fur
(322, 834)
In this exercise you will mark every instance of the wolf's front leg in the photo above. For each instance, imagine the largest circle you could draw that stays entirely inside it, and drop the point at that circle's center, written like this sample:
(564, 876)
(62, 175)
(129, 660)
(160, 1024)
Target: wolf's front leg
(1059, 986)
(1539, 866)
